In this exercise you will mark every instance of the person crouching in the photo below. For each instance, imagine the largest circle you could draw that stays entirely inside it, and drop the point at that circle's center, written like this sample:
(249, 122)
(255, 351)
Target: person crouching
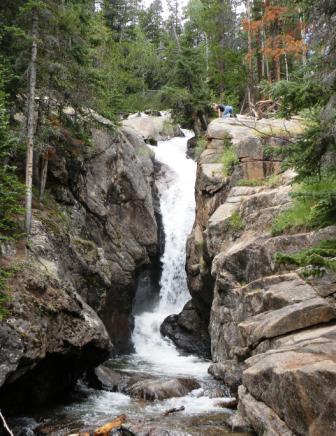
(222, 110)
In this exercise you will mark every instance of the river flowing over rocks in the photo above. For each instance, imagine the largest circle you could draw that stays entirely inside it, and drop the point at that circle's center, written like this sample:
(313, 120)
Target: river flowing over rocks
(151, 290)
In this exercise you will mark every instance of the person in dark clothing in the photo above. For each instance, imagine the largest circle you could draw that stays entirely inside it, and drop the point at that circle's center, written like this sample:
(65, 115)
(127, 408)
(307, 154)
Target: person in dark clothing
(222, 110)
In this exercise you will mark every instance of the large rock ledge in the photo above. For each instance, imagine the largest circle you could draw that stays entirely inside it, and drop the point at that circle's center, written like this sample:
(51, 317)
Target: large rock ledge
(49, 339)
(73, 294)
(272, 331)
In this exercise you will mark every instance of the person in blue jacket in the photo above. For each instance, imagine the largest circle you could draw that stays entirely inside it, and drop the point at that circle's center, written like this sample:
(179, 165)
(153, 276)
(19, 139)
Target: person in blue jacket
(222, 110)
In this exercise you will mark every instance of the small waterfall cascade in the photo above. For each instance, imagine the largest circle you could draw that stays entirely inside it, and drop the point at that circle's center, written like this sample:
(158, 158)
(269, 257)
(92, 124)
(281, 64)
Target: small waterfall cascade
(176, 190)
(154, 355)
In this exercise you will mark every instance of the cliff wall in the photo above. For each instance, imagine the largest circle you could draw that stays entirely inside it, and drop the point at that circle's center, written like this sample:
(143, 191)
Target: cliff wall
(70, 298)
(272, 327)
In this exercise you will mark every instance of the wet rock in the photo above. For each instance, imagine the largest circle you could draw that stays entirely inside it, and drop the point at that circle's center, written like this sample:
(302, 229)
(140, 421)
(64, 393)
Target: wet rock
(105, 378)
(238, 424)
(191, 145)
(162, 389)
(21, 427)
(188, 331)
(154, 429)
(229, 371)
(153, 113)
(228, 403)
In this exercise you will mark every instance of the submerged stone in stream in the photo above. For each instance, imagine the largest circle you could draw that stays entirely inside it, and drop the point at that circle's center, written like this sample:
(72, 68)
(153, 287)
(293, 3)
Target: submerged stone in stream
(188, 331)
(162, 389)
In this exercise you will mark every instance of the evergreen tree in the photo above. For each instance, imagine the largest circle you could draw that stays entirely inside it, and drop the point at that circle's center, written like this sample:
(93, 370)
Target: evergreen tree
(11, 190)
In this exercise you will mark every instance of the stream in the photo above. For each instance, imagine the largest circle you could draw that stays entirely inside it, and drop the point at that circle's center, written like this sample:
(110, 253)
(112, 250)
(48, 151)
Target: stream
(154, 355)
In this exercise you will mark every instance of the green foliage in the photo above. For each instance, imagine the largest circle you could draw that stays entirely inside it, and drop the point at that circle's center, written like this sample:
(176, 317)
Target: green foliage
(11, 190)
(250, 182)
(270, 182)
(200, 146)
(306, 154)
(314, 206)
(315, 260)
(236, 224)
(229, 159)
(295, 96)
(5, 274)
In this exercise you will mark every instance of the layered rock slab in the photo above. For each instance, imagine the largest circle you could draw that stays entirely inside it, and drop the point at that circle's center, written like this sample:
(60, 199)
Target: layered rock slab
(260, 308)
(298, 382)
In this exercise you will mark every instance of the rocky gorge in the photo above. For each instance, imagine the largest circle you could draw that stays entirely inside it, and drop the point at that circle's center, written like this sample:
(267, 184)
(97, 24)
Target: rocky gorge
(271, 328)
(73, 285)
(84, 289)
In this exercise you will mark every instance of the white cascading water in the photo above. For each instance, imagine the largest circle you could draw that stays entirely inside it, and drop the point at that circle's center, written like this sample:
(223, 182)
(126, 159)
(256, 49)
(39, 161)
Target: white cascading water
(155, 354)
(178, 212)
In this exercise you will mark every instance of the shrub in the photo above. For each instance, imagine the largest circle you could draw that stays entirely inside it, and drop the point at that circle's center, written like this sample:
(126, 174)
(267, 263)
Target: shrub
(200, 146)
(250, 182)
(314, 206)
(5, 274)
(236, 223)
(315, 261)
(229, 159)
(11, 190)
(295, 95)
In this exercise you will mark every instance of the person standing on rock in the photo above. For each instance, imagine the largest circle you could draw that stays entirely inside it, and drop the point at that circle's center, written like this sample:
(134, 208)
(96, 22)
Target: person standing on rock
(222, 110)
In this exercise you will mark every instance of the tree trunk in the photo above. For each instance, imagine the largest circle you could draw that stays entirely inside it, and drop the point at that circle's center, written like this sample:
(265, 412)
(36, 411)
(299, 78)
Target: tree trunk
(277, 69)
(44, 173)
(206, 54)
(260, 58)
(286, 67)
(303, 37)
(30, 124)
(250, 97)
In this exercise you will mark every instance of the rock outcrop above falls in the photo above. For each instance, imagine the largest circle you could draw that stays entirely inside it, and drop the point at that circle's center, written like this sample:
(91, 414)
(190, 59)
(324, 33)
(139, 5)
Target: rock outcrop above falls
(154, 128)
(272, 330)
(72, 296)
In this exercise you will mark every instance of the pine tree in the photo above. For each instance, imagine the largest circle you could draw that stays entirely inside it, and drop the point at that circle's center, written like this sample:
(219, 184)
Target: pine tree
(11, 190)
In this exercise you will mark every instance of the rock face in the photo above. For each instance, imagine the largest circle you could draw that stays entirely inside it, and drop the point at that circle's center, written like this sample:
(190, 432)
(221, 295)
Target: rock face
(162, 389)
(141, 385)
(154, 128)
(73, 295)
(49, 339)
(108, 197)
(188, 331)
(272, 331)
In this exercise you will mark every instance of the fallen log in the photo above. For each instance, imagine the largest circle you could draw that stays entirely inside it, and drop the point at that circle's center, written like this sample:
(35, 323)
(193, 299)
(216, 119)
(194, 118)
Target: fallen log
(112, 425)
(174, 410)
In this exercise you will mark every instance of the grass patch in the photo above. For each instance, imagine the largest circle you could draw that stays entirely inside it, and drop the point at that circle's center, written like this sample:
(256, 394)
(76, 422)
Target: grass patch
(228, 159)
(88, 248)
(5, 274)
(200, 146)
(314, 261)
(273, 181)
(251, 182)
(270, 182)
(314, 206)
(236, 223)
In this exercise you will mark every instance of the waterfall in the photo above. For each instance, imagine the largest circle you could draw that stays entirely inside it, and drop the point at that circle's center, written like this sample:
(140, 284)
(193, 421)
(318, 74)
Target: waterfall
(155, 355)
(176, 190)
